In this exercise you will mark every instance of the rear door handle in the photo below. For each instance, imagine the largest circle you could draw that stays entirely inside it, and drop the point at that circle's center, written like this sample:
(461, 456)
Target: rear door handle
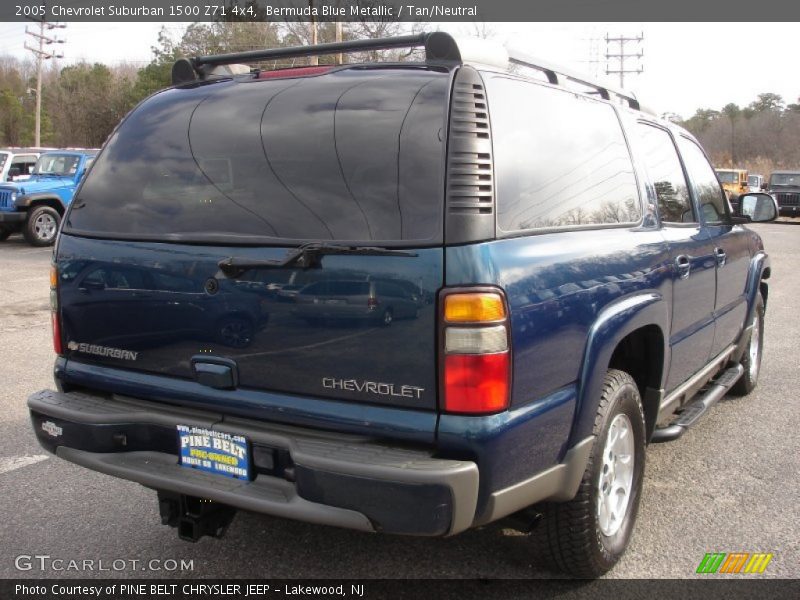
(684, 265)
(720, 255)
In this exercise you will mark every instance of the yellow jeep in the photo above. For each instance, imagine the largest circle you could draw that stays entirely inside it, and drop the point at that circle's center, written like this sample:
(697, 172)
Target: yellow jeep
(734, 182)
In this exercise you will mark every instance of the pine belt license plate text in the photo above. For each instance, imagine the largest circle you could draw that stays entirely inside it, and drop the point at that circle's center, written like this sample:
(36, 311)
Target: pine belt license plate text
(214, 451)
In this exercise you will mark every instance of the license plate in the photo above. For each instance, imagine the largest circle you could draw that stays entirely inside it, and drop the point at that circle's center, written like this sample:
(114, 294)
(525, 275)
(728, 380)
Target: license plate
(214, 451)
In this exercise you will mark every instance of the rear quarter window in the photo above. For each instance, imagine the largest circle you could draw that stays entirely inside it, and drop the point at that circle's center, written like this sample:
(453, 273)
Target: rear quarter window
(561, 159)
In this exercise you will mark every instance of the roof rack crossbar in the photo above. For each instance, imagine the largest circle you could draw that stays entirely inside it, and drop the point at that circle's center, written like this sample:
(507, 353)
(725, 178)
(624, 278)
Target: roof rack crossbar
(439, 48)
(405, 41)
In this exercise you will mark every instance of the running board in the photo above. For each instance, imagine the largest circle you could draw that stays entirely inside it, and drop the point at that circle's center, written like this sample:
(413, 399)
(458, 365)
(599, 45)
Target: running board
(698, 407)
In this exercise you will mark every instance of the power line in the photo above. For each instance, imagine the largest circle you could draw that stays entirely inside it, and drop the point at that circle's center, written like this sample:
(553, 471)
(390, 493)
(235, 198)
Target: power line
(622, 56)
(41, 55)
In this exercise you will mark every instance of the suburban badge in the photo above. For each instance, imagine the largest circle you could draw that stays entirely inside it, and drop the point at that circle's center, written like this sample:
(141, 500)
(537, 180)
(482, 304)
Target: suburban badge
(102, 351)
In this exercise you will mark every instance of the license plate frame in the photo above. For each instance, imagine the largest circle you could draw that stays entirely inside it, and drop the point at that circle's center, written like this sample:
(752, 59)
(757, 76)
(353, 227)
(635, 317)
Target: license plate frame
(216, 452)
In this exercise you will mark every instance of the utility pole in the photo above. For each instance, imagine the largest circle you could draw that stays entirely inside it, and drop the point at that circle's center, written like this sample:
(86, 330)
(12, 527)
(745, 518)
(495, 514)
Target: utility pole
(340, 56)
(594, 56)
(313, 60)
(42, 55)
(622, 56)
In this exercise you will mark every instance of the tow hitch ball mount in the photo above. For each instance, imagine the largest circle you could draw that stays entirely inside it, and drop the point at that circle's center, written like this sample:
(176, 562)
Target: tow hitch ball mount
(194, 517)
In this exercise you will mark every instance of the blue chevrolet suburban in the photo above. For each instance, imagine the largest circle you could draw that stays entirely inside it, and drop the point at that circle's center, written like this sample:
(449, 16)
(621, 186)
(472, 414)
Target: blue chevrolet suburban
(36, 205)
(579, 287)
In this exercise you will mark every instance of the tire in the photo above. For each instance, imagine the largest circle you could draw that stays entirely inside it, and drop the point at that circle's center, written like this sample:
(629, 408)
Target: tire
(4, 233)
(235, 332)
(580, 537)
(751, 359)
(387, 317)
(41, 227)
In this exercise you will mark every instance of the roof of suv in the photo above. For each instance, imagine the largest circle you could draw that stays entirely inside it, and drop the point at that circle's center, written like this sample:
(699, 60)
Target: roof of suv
(441, 50)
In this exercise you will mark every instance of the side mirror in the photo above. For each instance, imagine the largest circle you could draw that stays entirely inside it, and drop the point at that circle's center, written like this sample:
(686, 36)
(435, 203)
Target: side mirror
(14, 172)
(759, 208)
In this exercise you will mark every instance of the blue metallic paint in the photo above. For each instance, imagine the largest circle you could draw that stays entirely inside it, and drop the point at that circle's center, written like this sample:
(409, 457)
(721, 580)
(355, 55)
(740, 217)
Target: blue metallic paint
(572, 296)
(411, 426)
(511, 446)
(150, 298)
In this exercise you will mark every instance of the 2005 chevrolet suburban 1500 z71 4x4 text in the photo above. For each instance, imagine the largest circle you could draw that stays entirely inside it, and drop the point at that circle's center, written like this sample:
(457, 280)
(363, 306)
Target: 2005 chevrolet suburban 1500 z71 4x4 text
(555, 279)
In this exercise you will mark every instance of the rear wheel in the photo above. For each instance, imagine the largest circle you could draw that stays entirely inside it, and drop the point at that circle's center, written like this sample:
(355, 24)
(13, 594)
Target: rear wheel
(387, 317)
(587, 535)
(751, 360)
(42, 226)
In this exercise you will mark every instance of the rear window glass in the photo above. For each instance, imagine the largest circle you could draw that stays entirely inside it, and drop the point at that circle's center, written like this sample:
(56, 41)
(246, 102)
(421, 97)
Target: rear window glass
(353, 155)
(561, 159)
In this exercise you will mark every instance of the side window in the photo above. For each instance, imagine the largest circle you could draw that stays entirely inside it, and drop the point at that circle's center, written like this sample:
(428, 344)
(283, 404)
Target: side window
(661, 160)
(704, 182)
(24, 164)
(561, 159)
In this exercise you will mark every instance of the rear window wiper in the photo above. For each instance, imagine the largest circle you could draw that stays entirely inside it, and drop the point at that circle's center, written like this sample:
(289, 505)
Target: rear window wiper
(306, 256)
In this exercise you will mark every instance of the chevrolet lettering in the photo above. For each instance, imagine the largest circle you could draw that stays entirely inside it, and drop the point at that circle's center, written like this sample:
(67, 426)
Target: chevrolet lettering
(373, 387)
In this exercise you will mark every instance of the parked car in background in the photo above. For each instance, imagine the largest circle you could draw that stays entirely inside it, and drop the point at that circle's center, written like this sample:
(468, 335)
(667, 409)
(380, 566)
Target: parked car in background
(734, 181)
(376, 302)
(16, 164)
(96, 291)
(36, 206)
(755, 183)
(785, 187)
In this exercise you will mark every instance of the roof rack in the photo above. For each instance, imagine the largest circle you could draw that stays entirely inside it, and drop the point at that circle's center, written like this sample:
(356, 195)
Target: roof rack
(440, 48)
(558, 75)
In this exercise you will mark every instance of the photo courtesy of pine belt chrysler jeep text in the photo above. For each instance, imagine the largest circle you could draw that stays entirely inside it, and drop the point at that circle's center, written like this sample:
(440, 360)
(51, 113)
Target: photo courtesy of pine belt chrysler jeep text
(409, 298)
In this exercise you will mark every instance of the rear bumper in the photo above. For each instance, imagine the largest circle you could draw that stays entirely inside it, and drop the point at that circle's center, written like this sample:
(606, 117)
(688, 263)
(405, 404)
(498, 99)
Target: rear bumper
(341, 480)
(12, 216)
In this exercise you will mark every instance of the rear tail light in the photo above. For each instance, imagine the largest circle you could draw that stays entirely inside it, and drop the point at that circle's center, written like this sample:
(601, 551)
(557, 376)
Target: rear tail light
(476, 353)
(372, 303)
(55, 318)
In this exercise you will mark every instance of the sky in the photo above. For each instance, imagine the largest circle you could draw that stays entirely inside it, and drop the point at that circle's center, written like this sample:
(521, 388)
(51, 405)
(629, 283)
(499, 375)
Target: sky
(686, 66)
